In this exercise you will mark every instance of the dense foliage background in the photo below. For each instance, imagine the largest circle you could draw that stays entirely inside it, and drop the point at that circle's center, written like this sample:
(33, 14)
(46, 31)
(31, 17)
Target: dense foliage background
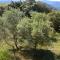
(27, 25)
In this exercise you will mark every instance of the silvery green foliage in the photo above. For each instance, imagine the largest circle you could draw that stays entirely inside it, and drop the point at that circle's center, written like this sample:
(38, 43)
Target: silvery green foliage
(11, 18)
(36, 30)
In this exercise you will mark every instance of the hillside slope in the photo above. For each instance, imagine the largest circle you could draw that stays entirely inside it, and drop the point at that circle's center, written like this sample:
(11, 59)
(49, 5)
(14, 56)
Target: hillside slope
(54, 4)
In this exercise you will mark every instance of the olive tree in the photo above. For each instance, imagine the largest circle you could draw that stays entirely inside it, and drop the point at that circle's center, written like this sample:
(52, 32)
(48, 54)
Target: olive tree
(11, 19)
(36, 30)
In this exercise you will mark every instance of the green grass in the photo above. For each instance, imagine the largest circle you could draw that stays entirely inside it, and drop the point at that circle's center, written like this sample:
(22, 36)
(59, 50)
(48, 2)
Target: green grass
(56, 48)
(4, 53)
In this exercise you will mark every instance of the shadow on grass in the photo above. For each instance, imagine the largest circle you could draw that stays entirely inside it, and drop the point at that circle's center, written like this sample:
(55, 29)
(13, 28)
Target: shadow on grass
(58, 57)
(41, 54)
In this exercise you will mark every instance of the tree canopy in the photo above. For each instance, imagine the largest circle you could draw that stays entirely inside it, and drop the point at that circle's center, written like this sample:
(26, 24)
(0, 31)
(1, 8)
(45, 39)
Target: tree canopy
(36, 30)
(19, 29)
(55, 18)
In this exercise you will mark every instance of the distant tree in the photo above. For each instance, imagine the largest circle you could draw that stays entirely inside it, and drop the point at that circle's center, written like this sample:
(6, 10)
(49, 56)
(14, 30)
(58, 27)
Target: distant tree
(41, 7)
(30, 1)
(31, 5)
(15, 4)
(36, 30)
(55, 18)
(1, 10)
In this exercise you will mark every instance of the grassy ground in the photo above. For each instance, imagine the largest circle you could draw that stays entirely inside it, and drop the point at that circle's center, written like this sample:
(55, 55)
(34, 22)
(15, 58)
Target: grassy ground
(4, 53)
(56, 46)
